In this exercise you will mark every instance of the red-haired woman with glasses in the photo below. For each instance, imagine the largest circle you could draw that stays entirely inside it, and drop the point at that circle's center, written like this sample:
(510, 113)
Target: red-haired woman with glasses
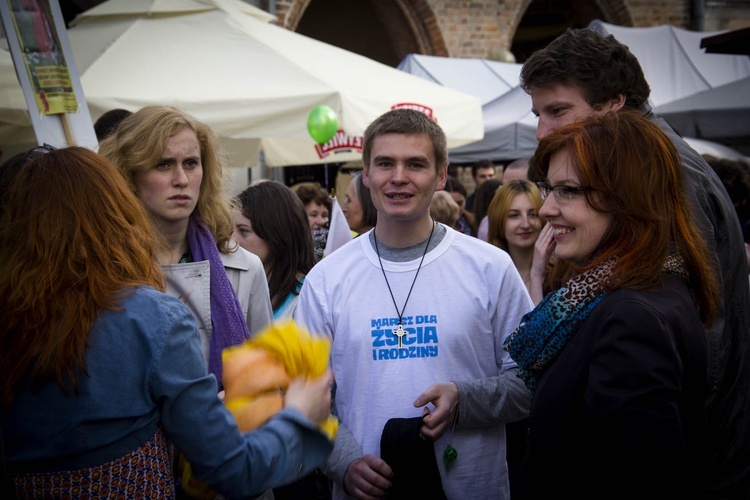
(617, 357)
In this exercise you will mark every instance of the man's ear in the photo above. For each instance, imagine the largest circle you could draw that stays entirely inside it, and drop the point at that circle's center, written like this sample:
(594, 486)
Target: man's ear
(442, 178)
(617, 103)
(365, 178)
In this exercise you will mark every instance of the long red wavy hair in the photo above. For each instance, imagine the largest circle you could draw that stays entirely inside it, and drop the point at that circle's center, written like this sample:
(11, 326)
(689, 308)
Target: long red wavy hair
(635, 173)
(74, 239)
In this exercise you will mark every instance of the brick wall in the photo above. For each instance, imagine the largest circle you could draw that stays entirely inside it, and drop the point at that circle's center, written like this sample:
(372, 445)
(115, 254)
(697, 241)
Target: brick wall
(485, 28)
(474, 27)
(655, 13)
(481, 28)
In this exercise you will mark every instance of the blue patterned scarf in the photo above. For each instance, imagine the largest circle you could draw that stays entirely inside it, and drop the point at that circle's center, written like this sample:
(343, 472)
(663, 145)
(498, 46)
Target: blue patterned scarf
(545, 331)
(229, 326)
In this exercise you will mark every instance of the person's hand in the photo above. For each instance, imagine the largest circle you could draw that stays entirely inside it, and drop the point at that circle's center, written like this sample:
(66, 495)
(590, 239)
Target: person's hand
(312, 397)
(445, 398)
(368, 478)
(543, 249)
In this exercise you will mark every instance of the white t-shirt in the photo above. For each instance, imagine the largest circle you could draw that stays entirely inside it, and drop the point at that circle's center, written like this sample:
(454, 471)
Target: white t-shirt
(467, 298)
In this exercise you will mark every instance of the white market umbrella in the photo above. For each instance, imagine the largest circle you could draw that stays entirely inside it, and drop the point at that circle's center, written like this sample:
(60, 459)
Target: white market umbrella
(253, 82)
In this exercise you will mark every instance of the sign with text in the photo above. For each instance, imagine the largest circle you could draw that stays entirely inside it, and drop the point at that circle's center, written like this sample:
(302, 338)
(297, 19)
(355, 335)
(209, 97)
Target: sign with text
(43, 56)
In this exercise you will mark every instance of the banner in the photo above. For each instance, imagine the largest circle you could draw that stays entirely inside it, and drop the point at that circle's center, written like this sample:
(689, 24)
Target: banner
(43, 56)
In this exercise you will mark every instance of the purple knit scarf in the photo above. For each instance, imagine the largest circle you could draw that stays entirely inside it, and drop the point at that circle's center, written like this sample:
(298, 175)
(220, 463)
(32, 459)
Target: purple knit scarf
(229, 324)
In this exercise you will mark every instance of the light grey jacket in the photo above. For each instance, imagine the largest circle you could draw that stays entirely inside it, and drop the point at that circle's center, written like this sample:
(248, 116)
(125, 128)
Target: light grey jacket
(191, 284)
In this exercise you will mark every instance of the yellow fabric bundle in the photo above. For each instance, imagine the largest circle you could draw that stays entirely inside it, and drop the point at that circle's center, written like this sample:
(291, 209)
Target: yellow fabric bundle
(281, 344)
(256, 374)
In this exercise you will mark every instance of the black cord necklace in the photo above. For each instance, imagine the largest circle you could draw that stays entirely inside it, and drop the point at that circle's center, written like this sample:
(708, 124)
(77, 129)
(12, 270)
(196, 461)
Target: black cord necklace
(400, 330)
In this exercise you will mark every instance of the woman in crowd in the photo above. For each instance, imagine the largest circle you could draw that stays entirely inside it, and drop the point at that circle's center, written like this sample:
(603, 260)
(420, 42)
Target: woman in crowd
(617, 357)
(101, 370)
(173, 163)
(514, 225)
(317, 205)
(357, 206)
(270, 221)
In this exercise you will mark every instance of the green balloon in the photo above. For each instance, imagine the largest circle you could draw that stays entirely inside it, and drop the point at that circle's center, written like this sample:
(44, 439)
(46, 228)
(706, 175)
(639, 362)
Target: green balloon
(322, 124)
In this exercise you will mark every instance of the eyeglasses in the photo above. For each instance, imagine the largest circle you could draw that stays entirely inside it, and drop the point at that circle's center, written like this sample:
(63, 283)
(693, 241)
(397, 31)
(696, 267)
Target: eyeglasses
(562, 193)
(38, 151)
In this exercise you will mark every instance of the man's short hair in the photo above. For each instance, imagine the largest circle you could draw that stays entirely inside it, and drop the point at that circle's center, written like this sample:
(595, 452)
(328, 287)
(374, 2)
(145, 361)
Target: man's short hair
(407, 122)
(518, 166)
(108, 122)
(475, 168)
(600, 66)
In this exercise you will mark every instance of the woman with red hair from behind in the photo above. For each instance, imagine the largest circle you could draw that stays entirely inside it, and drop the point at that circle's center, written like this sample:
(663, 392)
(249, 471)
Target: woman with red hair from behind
(101, 370)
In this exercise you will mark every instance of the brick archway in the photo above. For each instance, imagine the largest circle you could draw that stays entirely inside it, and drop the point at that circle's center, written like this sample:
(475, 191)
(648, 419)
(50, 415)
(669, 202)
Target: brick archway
(413, 24)
(615, 12)
(425, 26)
(290, 12)
(610, 11)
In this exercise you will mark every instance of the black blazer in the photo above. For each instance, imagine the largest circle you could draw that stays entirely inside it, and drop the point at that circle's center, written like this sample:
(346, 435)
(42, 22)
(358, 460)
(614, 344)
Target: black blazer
(620, 412)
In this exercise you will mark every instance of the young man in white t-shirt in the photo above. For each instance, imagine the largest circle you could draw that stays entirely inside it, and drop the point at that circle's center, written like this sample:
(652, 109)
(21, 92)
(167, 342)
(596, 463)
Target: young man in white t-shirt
(417, 313)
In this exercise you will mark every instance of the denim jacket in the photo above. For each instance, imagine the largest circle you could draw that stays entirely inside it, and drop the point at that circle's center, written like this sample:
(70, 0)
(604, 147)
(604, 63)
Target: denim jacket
(145, 369)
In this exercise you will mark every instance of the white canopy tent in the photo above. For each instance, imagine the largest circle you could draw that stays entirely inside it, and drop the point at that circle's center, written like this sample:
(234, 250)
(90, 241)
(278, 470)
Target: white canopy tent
(253, 82)
(719, 113)
(483, 78)
(675, 66)
(507, 133)
(700, 94)
(673, 62)
(510, 131)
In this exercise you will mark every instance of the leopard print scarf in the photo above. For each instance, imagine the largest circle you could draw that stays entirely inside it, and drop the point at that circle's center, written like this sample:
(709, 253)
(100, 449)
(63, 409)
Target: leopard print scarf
(545, 331)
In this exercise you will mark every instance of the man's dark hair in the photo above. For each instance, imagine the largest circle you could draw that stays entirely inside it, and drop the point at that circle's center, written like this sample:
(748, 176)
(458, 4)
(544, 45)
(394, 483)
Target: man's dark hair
(480, 165)
(108, 122)
(600, 66)
(453, 185)
(735, 176)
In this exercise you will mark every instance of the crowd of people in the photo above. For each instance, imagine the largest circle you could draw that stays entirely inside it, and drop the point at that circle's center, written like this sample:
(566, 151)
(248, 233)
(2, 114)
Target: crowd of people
(577, 325)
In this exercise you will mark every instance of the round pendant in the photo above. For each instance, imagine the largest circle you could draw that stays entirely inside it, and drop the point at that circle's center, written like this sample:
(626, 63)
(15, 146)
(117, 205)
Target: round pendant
(449, 455)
